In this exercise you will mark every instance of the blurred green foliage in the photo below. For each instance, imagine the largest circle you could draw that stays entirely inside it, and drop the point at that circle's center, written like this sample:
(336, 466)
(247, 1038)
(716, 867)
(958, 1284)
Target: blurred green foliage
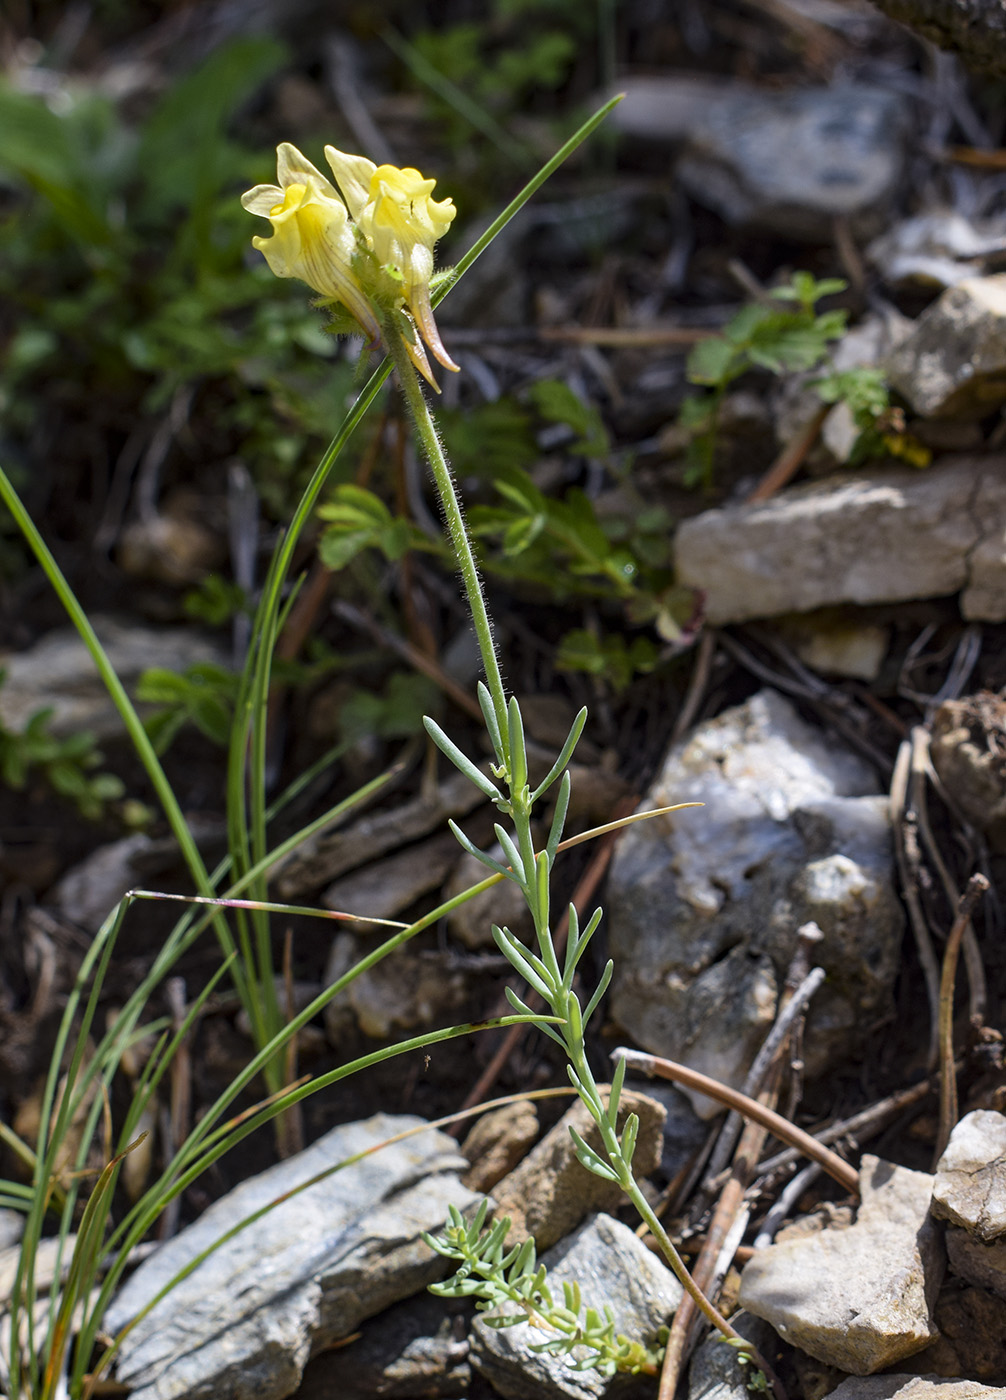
(127, 272)
(482, 77)
(786, 334)
(66, 765)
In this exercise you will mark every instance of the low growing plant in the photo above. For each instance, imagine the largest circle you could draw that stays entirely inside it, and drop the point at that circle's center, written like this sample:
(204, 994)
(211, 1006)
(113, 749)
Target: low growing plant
(786, 334)
(69, 765)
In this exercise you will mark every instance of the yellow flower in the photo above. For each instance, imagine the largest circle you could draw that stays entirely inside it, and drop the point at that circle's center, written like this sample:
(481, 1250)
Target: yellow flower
(401, 224)
(387, 213)
(313, 238)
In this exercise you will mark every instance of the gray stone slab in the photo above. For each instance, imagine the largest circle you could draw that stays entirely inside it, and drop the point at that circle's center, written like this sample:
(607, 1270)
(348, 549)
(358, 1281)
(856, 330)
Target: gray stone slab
(881, 536)
(914, 1388)
(242, 1325)
(790, 160)
(612, 1267)
(58, 672)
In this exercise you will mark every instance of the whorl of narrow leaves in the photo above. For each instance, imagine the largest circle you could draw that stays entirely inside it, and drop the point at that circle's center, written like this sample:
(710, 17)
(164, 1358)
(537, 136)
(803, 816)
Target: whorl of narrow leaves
(513, 1279)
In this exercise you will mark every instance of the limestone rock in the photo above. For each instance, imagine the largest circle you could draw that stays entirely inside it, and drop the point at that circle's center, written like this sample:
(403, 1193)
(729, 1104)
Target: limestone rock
(503, 904)
(337, 849)
(953, 365)
(612, 1267)
(175, 548)
(716, 1371)
(878, 536)
(859, 1298)
(550, 1193)
(969, 753)
(242, 1325)
(914, 1388)
(89, 891)
(941, 247)
(11, 1228)
(972, 1340)
(410, 988)
(970, 1187)
(387, 887)
(981, 1264)
(497, 1142)
(417, 1348)
(705, 903)
(58, 672)
(789, 161)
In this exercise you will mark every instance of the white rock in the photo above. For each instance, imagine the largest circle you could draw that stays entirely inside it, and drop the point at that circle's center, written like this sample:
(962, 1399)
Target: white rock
(970, 1187)
(89, 891)
(953, 365)
(914, 1388)
(942, 247)
(704, 903)
(859, 1298)
(789, 160)
(58, 672)
(873, 537)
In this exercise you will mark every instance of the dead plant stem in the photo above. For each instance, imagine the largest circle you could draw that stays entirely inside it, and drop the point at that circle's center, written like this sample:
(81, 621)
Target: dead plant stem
(976, 887)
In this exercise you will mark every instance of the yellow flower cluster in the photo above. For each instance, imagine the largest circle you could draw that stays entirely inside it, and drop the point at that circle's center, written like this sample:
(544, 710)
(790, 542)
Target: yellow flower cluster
(370, 250)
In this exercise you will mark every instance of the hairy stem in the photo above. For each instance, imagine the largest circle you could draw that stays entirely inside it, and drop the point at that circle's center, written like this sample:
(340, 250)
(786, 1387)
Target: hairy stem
(456, 527)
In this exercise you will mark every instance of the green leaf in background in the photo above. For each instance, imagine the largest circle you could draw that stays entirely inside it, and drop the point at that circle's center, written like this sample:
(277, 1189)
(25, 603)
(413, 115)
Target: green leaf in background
(557, 403)
(202, 695)
(609, 658)
(397, 713)
(357, 519)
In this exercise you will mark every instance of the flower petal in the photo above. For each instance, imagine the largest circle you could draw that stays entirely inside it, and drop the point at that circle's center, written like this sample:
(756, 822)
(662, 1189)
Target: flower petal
(314, 240)
(353, 175)
(293, 168)
(262, 199)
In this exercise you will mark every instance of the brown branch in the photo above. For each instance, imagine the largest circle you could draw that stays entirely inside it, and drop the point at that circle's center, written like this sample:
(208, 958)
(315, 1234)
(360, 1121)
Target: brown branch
(976, 887)
(787, 1132)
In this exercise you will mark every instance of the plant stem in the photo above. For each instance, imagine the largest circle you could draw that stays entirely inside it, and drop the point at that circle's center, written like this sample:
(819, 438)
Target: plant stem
(457, 529)
(627, 1182)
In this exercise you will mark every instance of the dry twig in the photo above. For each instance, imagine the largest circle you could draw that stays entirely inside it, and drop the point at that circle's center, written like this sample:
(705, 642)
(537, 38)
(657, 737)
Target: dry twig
(976, 887)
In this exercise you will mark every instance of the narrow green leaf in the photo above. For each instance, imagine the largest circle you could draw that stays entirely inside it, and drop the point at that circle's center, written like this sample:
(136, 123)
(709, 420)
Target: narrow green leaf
(542, 871)
(588, 1158)
(518, 751)
(617, 1080)
(575, 949)
(558, 817)
(629, 1134)
(510, 852)
(566, 753)
(473, 850)
(461, 761)
(524, 1010)
(518, 961)
(599, 991)
(492, 724)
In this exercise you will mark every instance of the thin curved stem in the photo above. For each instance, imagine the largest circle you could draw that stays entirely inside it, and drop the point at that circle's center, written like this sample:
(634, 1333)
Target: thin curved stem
(425, 428)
